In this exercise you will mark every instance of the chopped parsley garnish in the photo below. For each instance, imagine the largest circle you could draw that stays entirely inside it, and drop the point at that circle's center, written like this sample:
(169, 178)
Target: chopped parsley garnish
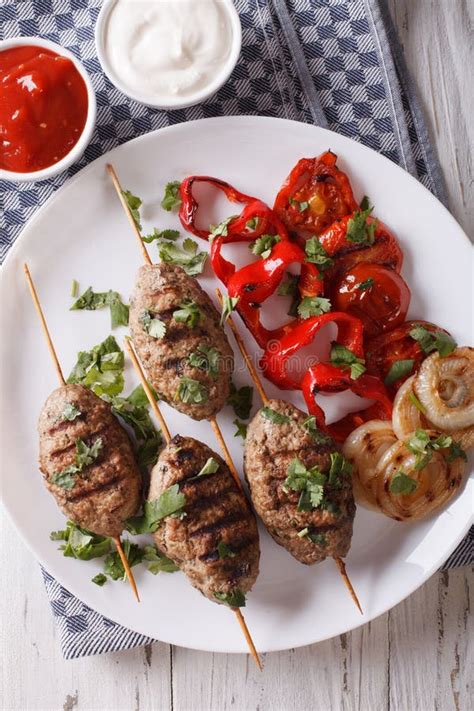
(171, 502)
(153, 326)
(342, 357)
(403, 484)
(423, 446)
(172, 197)
(205, 358)
(171, 235)
(316, 254)
(221, 230)
(100, 369)
(240, 399)
(157, 562)
(429, 342)
(74, 288)
(414, 400)
(276, 417)
(300, 205)
(113, 566)
(319, 437)
(93, 300)
(366, 284)
(69, 412)
(359, 230)
(309, 482)
(133, 410)
(340, 467)
(191, 391)
(99, 579)
(313, 306)
(85, 456)
(263, 245)
(210, 467)
(318, 538)
(241, 430)
(235, 598)
(399, 369)
(133, 203)
(186, 257)
(224, 551)
(80, 543)
(188, 313)
(228, 305)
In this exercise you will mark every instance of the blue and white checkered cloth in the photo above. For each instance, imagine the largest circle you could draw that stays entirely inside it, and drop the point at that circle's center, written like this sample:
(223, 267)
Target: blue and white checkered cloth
(335, 63)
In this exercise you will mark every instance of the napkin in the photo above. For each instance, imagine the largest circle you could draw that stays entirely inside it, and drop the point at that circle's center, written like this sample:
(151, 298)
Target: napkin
(333, 63)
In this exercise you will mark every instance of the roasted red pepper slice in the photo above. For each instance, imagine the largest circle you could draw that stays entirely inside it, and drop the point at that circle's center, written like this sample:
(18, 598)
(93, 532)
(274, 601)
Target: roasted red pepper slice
(189, 205)
(314, 194)
(301, 333)
(385, 249)
(367, 386)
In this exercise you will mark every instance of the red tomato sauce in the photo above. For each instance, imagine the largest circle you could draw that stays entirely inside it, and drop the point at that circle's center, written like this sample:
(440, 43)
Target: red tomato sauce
(43, 108)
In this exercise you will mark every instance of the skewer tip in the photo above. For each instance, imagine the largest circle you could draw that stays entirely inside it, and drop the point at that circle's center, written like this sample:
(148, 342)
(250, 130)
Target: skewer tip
(126, 565)
(248, 638)
(342, 569)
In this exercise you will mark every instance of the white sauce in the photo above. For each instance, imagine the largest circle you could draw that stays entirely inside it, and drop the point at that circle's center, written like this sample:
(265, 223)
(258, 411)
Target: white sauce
(167, 49)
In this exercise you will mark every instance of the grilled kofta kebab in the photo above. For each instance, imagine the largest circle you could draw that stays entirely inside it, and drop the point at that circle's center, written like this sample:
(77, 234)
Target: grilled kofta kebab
(176, 332)
(214, 538)
(298, 483)
(216, 544)
(86, 457)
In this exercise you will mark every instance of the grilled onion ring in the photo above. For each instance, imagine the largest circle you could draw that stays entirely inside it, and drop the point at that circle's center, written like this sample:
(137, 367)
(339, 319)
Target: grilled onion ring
(363, 448)
(445, 388)
(437, 482)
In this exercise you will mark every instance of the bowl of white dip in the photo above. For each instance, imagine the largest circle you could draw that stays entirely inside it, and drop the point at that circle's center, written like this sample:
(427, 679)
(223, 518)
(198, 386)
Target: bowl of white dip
(168, 54)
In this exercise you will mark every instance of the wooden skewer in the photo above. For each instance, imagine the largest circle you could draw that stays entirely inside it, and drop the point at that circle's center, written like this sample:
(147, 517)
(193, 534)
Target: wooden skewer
(258, 384)
(57, 365)
(134, 225)
(167, 436)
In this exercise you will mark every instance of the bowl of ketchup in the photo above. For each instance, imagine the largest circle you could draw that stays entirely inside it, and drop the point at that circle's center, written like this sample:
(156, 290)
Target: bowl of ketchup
(47, 109)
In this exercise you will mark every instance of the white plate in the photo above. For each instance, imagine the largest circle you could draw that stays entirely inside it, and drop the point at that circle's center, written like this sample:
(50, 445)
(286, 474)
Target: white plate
(82, 233)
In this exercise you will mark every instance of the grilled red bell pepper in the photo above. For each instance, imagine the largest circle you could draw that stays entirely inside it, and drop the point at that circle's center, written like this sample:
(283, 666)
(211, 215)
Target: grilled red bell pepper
(301, 333)
(367, 386)
(189, 205)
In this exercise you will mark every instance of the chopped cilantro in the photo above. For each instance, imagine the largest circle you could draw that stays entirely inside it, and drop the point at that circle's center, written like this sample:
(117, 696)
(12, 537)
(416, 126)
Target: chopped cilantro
(171, 235)
(300, 205)
(364, 203)
(80, 543)
(359, 230)
(276, 417)
(113, 566)
(205, 358)
(74, 288)
(186, 257)
(99, 579)
(100, 369)
(158, 563)
(423, 446)
(263, 245)
(221, 230)
(403, 484)
(85, 456)
(317, 538)
(172, 197)
(241, 430)
(224, 550)
(313, 306)
(235, 598)
(319, 437)
(290, 287)
(153, 326)
(309, 482)
(366, 284)
(133, 204)
(210, 467)
(429, 342)
(92, 300)
(399, 369)
(191, 391)
(342, 357)
(188, 313)
(252, 224)
(340, 467)
(240, 400)
(455, 452)
(170, 502)
(70, 412)
(228, 305)
(316, 254)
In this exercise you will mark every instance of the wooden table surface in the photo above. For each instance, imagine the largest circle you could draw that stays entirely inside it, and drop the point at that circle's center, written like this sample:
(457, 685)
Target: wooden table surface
(417, 656)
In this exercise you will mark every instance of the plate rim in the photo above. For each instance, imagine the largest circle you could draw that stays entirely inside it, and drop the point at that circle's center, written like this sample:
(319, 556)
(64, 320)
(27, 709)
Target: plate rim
(188, 125)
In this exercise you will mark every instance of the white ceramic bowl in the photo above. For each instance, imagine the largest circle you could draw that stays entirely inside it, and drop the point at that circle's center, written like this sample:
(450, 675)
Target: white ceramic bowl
(78, 149)
(179, 102)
